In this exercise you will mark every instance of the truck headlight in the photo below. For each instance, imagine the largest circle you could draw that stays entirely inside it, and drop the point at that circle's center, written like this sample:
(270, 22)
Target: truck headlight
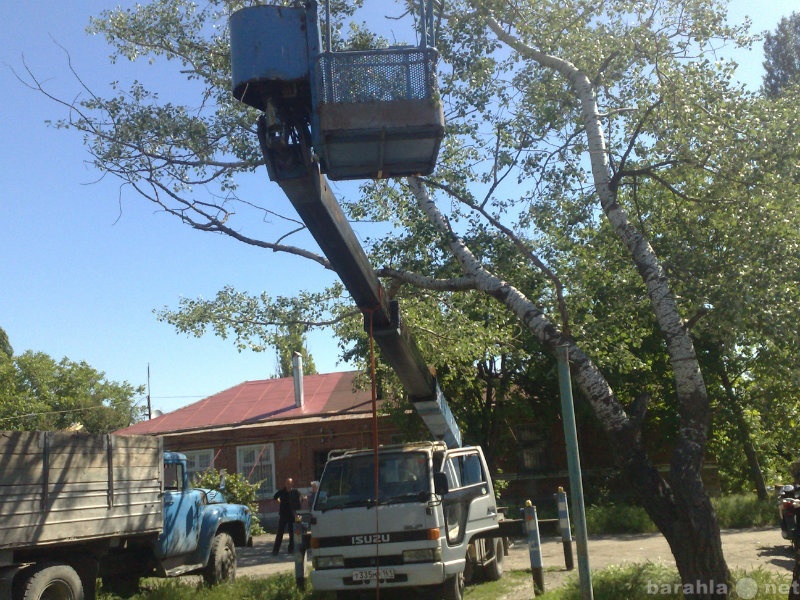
(422, 555)
(329, 562)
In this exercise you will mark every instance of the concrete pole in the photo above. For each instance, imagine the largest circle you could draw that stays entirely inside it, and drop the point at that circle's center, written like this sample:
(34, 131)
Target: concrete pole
(534, 547)
(299, 554)
(574, 464)
(564, 526)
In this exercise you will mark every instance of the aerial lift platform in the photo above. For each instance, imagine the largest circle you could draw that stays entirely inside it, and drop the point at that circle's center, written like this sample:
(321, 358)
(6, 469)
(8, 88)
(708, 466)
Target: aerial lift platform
(345, 115)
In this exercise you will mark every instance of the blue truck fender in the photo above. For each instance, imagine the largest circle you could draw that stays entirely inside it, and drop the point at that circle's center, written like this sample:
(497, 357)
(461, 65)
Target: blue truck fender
(231, 518)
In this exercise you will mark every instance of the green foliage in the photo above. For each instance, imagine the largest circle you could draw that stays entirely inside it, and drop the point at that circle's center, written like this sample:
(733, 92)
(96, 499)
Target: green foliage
(38, 392)
(618, 518)
(741, 511)
(782, 56)
(255, 322)
(237, 490)
(505, 587)
(629, 581)
(276, 587)
(644, 581)
(5, 345)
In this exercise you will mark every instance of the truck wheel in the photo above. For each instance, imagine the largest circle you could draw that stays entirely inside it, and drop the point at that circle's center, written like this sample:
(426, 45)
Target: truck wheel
(52, 581)
(222, 561)
(494, 570)
(453, 587)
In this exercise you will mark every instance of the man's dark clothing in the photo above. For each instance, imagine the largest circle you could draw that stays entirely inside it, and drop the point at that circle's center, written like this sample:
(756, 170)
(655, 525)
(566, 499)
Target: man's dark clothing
(287, 511)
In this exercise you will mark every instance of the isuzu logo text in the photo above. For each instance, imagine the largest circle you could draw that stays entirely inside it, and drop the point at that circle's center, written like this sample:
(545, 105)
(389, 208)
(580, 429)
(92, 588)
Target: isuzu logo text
(374, 538)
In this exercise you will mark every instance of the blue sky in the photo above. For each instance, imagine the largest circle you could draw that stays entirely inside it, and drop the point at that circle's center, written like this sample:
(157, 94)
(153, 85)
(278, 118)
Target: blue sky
(85, 267)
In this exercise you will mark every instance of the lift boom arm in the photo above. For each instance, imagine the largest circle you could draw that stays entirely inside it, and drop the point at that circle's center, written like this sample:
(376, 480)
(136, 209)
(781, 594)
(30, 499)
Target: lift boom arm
(294, 169)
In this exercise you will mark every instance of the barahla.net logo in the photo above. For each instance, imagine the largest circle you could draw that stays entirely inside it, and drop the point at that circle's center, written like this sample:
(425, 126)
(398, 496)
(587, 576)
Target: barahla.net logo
(745, 588)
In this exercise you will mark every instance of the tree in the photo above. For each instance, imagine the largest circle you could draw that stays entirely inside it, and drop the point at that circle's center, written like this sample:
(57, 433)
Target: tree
(573, 129)
(5, 345)
(782, 53)
(256, 323)
(39, 393)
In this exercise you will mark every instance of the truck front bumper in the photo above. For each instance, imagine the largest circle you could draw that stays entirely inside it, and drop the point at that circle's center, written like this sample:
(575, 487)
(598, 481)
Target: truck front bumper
(409, 575)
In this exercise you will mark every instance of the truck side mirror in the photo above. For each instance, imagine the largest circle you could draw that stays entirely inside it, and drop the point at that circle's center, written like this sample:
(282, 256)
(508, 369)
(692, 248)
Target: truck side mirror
(440, 486)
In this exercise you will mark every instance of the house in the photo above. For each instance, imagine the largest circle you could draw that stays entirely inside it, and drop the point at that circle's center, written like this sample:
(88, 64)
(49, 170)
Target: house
(271, 429)
(268, 430)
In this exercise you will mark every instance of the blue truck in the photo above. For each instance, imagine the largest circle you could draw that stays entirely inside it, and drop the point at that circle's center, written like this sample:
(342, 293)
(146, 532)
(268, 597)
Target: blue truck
(76, 508)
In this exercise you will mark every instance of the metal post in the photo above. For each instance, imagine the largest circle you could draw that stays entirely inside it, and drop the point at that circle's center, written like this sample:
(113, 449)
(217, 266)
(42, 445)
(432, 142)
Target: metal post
(534, 547)
(574, 464)
(566, 530)
(299, 553)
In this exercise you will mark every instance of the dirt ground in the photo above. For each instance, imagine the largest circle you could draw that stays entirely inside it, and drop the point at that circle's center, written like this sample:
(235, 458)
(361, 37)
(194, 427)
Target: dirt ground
(746, 549)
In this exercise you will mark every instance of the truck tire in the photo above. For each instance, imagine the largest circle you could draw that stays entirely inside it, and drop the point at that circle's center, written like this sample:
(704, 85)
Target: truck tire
(51, 581)
(494, 570)
(222, 561)
(453, 587)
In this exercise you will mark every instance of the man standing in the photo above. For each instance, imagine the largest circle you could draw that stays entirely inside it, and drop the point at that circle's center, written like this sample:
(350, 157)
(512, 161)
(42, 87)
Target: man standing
(288, 504)
(312, 494)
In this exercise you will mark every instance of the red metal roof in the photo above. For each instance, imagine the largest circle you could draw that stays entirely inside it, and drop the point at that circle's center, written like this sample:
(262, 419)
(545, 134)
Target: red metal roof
(264, 400)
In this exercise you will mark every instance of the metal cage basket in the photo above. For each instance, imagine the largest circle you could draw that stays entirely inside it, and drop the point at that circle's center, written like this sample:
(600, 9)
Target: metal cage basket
(378, 112)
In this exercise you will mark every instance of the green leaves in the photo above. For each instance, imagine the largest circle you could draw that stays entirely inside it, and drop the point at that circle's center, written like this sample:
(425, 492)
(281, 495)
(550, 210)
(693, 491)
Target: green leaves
(37, 392)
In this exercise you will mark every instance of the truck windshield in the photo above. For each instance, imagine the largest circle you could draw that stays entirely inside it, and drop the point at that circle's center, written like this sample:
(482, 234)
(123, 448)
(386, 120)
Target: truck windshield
(350, 481)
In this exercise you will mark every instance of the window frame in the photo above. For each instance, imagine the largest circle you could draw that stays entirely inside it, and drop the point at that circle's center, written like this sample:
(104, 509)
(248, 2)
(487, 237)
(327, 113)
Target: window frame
(264, 454)
(192, 457)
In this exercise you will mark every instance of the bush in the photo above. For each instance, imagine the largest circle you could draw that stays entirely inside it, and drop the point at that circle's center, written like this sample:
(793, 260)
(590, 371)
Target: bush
(238, 490)
(740, 511)
(618, 518)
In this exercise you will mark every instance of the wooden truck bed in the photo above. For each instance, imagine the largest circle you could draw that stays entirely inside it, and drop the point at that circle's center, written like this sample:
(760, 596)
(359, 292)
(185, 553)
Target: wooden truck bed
(58, 487)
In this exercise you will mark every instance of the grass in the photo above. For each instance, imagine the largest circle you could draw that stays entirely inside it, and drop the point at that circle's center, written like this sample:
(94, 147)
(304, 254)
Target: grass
(276, 587)
(638, 581)
(645, 581)
(739, 511)
(628, 582)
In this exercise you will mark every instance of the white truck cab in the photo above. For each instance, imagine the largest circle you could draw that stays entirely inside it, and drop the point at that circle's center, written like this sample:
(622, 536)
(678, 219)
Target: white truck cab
(429, 521)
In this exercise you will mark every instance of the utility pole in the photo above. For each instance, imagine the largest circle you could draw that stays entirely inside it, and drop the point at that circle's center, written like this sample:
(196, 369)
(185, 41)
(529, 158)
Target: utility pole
(574, 465)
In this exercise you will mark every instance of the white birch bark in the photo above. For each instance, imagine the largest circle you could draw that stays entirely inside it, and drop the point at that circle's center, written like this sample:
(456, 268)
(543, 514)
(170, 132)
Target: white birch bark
(587, 375)
(690, 387)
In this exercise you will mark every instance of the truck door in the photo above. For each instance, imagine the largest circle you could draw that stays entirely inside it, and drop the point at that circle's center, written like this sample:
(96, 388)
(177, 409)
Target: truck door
(182, 512)
(470, 506)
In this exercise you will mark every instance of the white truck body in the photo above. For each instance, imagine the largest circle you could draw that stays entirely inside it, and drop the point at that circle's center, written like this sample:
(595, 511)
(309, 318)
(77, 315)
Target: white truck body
(433, 518)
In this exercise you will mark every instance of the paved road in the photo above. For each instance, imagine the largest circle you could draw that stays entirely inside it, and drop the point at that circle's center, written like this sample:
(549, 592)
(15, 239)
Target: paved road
(744, 549)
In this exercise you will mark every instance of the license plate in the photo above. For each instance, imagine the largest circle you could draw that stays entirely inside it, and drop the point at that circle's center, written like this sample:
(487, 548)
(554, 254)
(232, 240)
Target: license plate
(369, 574)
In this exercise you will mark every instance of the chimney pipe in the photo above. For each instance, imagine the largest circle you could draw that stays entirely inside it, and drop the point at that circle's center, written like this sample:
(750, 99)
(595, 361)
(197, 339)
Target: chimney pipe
(297, 372)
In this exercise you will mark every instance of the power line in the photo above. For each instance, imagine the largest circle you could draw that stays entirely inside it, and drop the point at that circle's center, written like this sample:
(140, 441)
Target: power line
(52, 412)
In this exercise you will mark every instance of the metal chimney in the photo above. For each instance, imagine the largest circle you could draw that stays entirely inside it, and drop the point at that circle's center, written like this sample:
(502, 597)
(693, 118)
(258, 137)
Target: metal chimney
(297, 372)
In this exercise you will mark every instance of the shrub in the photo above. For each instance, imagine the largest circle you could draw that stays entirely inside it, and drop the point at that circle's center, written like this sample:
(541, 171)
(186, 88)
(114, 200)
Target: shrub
(618, 518)
(740, 511)
(237, 490)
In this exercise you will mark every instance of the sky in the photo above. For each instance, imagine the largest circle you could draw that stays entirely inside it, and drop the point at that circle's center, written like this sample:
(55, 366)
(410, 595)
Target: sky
(87, 263)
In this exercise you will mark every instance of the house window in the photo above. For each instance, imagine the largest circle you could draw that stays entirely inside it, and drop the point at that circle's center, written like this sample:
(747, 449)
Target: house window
(256, 464)
(199, 461)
